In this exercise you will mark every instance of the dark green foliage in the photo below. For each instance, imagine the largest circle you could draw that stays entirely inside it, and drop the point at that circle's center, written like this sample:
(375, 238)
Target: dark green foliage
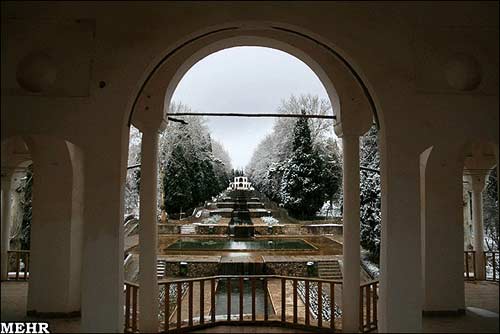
(237, 172)
(302, 190)
(192, 175)
(177, 182)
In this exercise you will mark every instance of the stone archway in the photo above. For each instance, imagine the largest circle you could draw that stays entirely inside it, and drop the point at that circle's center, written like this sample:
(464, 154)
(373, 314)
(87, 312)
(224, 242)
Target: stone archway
(57, 223)
(353, 107)
(446, 168)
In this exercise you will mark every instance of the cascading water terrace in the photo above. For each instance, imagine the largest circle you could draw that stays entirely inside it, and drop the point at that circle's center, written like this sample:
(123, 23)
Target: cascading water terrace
(241, 225)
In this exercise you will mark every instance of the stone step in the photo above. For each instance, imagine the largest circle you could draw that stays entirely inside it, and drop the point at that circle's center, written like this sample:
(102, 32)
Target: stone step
(188, 229)
(161, 266)
(329, 270)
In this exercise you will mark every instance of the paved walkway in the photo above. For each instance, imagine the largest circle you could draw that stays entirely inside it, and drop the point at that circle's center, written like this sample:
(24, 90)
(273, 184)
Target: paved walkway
(13, 308)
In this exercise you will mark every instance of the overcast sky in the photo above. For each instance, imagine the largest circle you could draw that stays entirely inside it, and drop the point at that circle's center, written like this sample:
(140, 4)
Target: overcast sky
(244, 80)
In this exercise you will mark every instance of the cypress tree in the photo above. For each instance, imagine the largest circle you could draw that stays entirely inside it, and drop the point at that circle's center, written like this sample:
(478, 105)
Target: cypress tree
(177, 184)
(302, 192)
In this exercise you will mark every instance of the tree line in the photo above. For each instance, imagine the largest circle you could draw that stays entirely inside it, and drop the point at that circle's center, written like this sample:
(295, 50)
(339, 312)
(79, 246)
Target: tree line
(299, 163)
(192, 166)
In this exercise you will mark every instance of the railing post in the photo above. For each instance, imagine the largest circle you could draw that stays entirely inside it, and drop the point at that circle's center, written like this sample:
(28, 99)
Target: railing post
(167, 306)
(212, 299)
(6, 225)
(190, 304)
(368, 305)
(320, 304)
(253, 299)
(26, 265)
(474, 265)
(466, 254)
(179, 304)
(294, 282)
(494, 266)
(18, 265)
(134, 308)
(283, 300)
(202, 301)
(266, 303)
(332, 305)
(228, 286)
(127, 307)
(375, 302)
(361, 310)
(241, 298)
(307, 315)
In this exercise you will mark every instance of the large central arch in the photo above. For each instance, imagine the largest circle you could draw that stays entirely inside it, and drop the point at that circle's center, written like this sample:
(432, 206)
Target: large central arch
(354, 111)
(349, 93)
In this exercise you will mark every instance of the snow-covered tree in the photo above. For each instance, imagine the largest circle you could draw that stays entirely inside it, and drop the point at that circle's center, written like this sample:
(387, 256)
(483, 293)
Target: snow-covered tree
(268, 162)
(207, 168)
(177, 182)
(490, 212)
(25, 189)
(207, 165)
(370, 200)
(133, 174)
(302, 188)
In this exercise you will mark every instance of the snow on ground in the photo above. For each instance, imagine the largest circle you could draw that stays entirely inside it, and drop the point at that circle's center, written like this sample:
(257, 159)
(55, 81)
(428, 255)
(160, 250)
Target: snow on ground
(371, 268)
(212, 220)
(270, 220)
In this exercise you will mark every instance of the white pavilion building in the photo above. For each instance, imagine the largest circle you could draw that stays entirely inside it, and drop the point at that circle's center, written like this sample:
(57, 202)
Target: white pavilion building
(240, 183)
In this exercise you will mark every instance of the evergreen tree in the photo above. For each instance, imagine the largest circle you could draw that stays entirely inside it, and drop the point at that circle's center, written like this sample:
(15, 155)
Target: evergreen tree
(210, 186)
(302, 192)
(25, 188)
(331, 170)
(177, 182)
(490, 210)
(370, 201)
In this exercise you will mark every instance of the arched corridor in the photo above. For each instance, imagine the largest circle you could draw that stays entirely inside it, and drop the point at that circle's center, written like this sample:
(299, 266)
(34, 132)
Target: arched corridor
(76, 76)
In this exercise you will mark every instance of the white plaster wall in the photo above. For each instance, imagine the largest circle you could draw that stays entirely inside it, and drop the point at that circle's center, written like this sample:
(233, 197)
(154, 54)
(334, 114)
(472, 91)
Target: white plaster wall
(443, 236)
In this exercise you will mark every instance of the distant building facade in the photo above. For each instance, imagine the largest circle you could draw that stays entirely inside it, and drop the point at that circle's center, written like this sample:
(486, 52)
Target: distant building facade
(240, 183)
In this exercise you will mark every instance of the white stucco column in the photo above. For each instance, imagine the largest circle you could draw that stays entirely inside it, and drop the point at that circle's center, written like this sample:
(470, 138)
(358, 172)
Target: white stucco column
(478, 184)
(351, 230)
(6, 195)
(442, 232)
(148, 282)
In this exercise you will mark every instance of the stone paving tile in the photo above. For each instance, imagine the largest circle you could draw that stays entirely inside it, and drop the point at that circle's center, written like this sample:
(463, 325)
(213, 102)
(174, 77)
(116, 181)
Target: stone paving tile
(13, 308)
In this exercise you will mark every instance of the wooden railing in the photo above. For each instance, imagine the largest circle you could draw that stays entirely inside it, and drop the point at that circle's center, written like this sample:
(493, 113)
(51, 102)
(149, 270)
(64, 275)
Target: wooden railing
(131, 304)
(19, 272)
(297, 302)
(492, 259)
(470, 264)
(203, 302)
(490, 269)
(368, 297)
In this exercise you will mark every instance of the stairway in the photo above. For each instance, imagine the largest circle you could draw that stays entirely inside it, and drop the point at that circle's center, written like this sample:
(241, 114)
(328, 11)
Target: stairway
(329, 270)
(188, 229)
(161, 266)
